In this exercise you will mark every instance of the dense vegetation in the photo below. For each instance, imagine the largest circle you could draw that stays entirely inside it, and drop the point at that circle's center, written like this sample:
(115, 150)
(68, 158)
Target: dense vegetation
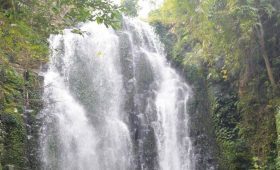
(25, 26)
(230, 48)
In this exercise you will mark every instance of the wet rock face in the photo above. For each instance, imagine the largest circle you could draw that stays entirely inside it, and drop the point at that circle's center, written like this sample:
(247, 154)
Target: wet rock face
(138, 77)
(201, 127)
(142, 81)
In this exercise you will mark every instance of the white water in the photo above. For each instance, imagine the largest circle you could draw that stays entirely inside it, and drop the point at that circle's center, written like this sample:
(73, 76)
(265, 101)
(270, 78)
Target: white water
(114, 103)
(172, 94)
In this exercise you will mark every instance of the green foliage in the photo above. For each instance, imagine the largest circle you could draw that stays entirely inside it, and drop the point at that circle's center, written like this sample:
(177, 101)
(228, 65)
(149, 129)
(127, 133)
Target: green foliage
(209, 26)
(222, 40)
(51, 15)
(25, 25)
(14, 140)
(12, 126)
(130, 7)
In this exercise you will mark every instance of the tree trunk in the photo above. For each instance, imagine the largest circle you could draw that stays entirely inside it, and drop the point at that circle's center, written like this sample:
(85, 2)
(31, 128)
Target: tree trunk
(260, 35)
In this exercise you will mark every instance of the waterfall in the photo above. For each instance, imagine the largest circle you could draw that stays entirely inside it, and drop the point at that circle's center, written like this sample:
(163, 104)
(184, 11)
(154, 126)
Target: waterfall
(113, 102)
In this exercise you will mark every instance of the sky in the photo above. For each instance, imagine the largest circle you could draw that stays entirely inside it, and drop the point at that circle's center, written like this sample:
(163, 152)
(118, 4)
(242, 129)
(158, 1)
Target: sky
(148, 5)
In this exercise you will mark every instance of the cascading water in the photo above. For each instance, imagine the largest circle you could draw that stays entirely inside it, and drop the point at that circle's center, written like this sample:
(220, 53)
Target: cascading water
(112, 102)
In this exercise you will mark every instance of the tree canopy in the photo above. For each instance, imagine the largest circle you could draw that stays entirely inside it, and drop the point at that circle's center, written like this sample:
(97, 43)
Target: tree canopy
(25, 25)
